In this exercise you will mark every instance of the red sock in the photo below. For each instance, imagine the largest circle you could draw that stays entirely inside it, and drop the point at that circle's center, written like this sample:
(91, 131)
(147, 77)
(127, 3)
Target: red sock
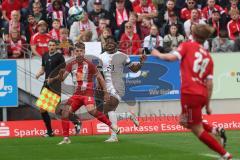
(103, 118)
(212, 143)
(65, 127)
(207, 127)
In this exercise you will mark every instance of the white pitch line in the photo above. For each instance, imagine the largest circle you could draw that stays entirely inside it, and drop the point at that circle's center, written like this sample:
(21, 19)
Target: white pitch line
(215, 156)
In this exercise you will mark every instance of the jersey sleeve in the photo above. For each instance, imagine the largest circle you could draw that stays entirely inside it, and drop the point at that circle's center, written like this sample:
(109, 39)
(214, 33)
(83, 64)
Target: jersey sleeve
(181, 51)
(94, 69)
(210, 74)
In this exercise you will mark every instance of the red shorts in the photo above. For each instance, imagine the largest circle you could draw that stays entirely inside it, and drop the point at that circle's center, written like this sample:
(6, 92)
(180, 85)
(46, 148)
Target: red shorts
(192, 109)
(76, 101)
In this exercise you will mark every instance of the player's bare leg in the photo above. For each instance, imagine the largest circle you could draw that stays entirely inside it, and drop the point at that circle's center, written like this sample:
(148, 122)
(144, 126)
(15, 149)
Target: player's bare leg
(207, 139)
(101, 117)
(67, 110)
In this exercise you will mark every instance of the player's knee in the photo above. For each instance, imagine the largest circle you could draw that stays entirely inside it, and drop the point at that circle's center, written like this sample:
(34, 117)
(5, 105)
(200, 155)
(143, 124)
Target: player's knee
(66, 111)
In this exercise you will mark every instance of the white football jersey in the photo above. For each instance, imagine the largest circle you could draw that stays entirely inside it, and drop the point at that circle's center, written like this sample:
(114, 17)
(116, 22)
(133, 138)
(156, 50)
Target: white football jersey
(112, 67)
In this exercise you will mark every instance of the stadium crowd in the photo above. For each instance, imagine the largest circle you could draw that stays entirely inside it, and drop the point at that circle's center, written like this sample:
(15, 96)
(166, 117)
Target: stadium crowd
(138, 25)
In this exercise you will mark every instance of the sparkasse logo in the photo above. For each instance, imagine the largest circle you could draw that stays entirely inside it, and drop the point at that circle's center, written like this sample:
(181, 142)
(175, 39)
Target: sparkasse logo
(4, 89)
(102, 128)
(4, 130)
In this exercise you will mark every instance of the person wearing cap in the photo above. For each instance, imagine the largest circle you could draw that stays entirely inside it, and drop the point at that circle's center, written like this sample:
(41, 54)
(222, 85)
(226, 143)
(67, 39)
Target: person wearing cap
(39, 41)
(105, 5)
(82, 25)
(98, 13)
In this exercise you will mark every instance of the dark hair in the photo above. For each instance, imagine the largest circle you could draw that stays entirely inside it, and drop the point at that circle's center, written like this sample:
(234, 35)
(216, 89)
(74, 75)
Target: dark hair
(80, 45)
(53, 41)
(169, 32)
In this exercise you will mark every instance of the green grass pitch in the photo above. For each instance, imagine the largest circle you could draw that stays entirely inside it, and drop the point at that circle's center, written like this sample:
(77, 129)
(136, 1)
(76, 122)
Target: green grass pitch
(164, 146)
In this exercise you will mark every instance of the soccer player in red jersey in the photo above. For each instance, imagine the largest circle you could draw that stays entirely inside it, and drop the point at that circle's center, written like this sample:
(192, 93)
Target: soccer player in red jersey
(196, 86)
(84, 72)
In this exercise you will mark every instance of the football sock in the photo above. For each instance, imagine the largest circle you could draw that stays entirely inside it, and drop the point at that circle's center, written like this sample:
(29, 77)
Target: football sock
(65, 127)
(121, 116)
(74, 118)
(113, 118)
(212, 143)
(209, 128)
(103, 118)
(47, 122)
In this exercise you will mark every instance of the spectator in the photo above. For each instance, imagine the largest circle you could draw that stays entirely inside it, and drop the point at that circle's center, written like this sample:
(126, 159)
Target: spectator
(16, 45)
(120, 14)
(173, 39)
(145, 27)
(3, 49)
(85, 36)
(31, 27)
(98, 13)
(211, 6)
(66, 45)
(102, 25)
(135, 3)
(38, 12)
(15, 24)
(164, 12)
(153, 40)
(7, 7)
(57, 10)
(127, 4)
(136, 25)
(186, 12)
(233, 26)
(222, 43)
(130, 42)
(217, 23)
(145, 10)
(55, 32)
(39, 41)
(79, 26)
(105, 5)
(234, 4)
(79, 3)
(173, 19)
(103, 37)
(194, 20)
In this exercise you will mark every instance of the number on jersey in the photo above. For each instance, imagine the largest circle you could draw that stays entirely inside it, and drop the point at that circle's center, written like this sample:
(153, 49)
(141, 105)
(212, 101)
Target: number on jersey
(200, 64)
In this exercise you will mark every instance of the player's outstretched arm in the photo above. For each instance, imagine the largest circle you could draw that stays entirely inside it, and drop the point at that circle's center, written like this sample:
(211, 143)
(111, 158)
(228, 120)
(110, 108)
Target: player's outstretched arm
(102, 83)
(209, 84)
(164, 56)
(138, 66)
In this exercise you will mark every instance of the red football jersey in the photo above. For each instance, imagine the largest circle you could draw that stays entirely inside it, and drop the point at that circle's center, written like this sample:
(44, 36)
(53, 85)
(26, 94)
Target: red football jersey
(83, 75)
(41, 42)
(196, 67)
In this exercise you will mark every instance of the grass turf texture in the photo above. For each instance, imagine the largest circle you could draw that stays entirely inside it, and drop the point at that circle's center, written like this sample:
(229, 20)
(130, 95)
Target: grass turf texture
(167, 146)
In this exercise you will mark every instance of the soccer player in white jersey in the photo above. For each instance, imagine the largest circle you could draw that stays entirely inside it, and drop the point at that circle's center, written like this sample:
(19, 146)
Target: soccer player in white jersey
(113, 65)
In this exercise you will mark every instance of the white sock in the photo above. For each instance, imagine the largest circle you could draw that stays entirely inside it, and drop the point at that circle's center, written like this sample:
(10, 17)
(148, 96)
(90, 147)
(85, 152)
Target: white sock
(226, 155)
(214, 130)
(125, 115)
(113, 119)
